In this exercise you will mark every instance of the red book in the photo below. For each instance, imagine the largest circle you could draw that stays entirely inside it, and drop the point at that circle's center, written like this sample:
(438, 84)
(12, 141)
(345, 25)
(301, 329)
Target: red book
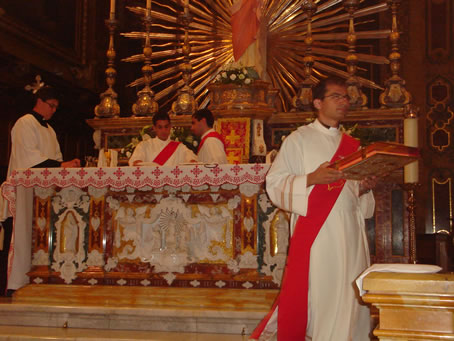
(377, 159)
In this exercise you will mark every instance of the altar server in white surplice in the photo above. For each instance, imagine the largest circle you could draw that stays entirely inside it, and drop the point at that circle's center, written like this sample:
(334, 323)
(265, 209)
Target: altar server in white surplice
(33, 144)
(328, 249)
(211, 148)
(161, 150)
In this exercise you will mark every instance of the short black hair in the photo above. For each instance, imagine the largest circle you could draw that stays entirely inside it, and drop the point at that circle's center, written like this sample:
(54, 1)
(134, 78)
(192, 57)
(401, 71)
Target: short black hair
(204, 114)
(46, 93)
(319, 91)
(160, 116)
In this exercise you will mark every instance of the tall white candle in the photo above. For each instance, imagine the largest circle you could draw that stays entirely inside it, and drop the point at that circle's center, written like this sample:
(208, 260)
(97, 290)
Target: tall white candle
(411, 140)
(112, 9)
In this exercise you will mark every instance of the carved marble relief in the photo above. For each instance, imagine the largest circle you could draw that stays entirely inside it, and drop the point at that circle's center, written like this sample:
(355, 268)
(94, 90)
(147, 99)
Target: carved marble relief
(207, 236)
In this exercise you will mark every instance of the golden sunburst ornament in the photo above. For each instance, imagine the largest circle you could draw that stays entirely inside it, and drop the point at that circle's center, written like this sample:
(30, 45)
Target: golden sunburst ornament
(284, 28)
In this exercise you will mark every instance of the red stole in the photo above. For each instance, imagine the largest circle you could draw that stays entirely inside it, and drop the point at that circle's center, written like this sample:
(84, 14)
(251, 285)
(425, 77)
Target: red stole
(212, 134)
(293, 297)
(166, 153)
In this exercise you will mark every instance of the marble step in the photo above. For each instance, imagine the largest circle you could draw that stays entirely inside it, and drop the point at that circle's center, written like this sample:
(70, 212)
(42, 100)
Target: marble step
(15, 333)
(188, 310)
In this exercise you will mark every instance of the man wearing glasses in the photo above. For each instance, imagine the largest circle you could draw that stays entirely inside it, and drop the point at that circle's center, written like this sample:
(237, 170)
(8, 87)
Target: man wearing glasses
(328, 249)
(34, 144)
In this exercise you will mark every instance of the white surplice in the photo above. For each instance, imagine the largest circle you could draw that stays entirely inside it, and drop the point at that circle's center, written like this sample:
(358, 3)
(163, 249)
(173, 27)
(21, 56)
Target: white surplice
(32, 143)
(148, 150)
(340, 252)
(212, 150)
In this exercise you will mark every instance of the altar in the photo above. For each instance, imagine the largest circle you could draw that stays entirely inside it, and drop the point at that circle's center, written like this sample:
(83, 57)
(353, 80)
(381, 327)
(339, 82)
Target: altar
(191, 226)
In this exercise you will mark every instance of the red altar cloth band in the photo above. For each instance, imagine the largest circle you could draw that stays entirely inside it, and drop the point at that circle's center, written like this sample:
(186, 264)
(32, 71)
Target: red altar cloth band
(293, 299)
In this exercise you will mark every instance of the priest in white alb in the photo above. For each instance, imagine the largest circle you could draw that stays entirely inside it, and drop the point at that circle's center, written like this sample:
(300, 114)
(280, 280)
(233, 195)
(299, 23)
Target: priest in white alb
(329, 248)
(161, 150)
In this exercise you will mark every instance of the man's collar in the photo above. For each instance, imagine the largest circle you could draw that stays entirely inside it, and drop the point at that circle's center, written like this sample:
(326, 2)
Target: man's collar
(327, 126)
(207, 132)
(39, 118)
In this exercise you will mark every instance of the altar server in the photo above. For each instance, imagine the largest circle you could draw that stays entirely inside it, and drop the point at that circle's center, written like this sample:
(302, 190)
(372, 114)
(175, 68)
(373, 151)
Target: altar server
(161, 150)
(328, 249)
(33, 144)
(211, 148)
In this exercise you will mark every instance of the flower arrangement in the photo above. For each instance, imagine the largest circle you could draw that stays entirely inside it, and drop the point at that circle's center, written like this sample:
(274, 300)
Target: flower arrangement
(184, 135)
(127, 150)
(237, 75)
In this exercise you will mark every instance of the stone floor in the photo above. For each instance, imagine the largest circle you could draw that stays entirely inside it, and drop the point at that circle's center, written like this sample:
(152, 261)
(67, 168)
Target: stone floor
(70, 312)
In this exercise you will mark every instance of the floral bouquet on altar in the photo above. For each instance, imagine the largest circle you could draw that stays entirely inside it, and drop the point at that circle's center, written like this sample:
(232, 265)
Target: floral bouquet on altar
(236, 74)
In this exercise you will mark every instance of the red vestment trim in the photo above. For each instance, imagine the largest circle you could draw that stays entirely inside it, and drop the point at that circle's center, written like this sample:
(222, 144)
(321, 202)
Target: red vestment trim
(293, 297)
(166, 153)
(212, 134)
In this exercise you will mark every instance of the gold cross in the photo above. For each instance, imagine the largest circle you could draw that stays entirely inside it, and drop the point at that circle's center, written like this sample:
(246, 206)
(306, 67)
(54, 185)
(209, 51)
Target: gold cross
(231, 157)
(232, 137)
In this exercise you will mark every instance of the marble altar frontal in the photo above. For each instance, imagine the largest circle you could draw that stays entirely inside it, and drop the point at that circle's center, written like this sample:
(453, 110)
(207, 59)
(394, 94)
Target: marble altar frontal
(184, 226)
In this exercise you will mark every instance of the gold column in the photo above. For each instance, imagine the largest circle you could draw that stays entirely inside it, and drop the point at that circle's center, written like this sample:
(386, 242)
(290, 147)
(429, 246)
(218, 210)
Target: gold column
(108, 107)
(146, 104)
(303, 100)
(395, 94)
(357, 98)
(185, 103)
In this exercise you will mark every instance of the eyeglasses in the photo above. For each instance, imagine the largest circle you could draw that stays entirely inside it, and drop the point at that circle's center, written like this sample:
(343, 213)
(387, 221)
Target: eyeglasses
(52, 105)
(338, 97)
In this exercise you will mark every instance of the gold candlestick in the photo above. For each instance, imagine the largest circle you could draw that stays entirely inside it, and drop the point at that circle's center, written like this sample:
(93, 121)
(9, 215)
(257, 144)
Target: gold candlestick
(395, 94)
(185, 103)
(108, 107)
(357, 98)
(146, 104)
(303, 100)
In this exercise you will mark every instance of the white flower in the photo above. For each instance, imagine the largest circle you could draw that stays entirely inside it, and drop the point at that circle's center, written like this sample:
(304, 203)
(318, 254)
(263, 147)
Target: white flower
(232, 76)
(247, 81)
(128, 154)
(122, 151)
(245, 71)
(241, 76)
(224, 74)
(195, 143)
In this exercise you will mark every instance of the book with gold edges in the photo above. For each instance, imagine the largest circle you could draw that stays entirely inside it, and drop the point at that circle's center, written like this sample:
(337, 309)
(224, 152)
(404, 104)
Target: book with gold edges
(377, 159)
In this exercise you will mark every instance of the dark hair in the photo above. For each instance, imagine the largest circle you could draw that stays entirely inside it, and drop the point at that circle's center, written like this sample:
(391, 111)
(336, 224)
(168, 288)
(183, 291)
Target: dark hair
(46, 93)
(318, 91)
(160, 116)
(204, 114)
